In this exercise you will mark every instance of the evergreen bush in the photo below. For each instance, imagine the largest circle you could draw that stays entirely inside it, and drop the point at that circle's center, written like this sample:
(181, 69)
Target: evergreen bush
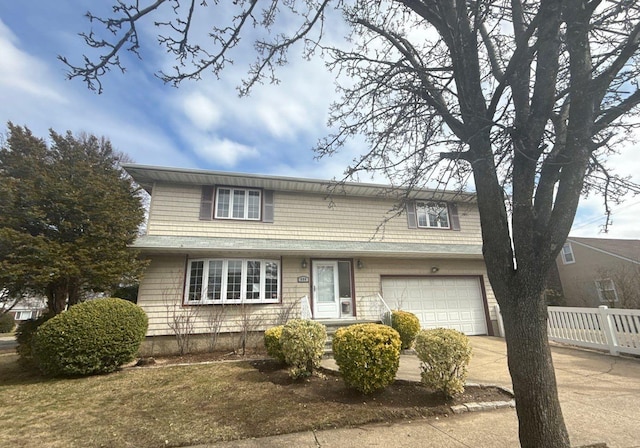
(445, 355)
(368, 356)
(93, 337)
(303, 346)
(407, 325)
(24, 337)
(272, 342)
(7, 323)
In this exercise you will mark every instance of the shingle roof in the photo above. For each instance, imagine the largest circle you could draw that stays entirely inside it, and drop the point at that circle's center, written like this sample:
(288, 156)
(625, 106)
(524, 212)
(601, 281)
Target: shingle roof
(193, 245)
(629, 249)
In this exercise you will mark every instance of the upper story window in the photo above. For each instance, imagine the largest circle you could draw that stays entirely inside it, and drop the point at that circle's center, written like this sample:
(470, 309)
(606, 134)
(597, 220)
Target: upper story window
(238, 203)
(211, 281)
(567, 254)
(606, 290)
(432, 215)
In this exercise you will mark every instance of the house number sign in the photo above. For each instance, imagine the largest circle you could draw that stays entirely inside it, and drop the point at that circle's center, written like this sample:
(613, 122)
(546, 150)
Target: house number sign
(303, 279)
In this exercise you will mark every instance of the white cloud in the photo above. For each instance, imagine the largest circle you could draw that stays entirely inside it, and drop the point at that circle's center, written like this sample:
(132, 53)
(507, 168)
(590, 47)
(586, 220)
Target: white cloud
(22, 74)
(201, 111)
(224, 152)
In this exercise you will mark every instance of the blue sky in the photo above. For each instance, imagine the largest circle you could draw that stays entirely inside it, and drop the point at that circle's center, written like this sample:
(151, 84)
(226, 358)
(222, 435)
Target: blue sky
(202, 124)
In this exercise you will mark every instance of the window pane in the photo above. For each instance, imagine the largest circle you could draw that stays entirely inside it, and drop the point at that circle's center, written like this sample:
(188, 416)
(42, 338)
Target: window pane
(195, 281)
(234, 279)
(214, 285)
(271, 281)
(253, 211)
(253, 280)
(222, 210)
(238, 203)
(344, 279)
(422, 217)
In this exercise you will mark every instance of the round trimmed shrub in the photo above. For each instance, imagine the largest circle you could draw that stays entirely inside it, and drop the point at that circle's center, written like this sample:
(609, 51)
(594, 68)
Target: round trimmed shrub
(93, 337)
(272, 342)
(407, 325)
(24, 337)
(368, 356)
(303, 343)
(7, 323)
(445, 355)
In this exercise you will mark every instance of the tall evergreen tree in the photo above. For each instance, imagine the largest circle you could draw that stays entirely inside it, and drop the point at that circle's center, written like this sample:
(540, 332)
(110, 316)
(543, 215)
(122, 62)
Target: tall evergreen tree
(67, 214)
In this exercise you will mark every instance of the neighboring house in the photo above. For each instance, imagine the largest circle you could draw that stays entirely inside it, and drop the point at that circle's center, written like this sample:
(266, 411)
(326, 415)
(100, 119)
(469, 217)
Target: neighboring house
(278, 247)
(599, 271)
(28, 308)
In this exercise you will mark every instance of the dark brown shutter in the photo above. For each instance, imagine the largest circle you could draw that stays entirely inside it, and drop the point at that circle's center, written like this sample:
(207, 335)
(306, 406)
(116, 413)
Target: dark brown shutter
(453, 216)
(206, 203)
(267, 206)
(412, 222)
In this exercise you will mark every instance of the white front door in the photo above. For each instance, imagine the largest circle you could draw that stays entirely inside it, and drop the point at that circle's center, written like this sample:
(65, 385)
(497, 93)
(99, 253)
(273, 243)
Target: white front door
(325, 290)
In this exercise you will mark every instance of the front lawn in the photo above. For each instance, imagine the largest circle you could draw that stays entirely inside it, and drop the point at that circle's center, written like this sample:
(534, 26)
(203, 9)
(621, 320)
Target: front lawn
(181, 405)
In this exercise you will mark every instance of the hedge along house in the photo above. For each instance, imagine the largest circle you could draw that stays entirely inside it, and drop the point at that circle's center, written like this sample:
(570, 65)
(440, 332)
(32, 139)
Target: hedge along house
(234, 252)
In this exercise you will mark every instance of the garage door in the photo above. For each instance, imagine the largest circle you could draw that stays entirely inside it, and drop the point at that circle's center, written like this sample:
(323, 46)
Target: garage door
(449, 302)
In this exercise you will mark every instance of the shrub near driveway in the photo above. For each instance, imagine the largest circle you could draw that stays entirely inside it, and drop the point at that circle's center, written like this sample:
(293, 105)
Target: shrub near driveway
(445, 355)
(407, 325)
(368, 356)
(93, 337)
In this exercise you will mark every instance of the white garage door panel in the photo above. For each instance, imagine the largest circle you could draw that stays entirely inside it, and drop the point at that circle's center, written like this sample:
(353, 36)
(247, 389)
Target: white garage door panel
(451, 302)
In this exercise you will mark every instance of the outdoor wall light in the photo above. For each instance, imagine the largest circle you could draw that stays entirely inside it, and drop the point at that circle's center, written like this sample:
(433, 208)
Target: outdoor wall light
(359, 264)
(434, 269)
(304, 263)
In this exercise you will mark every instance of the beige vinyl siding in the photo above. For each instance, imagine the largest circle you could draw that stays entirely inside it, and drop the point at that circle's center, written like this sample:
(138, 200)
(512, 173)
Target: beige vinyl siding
(175, 211)
(161, 291)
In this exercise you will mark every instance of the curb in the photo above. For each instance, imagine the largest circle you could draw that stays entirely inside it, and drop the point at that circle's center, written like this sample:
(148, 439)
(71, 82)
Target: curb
(485, 405)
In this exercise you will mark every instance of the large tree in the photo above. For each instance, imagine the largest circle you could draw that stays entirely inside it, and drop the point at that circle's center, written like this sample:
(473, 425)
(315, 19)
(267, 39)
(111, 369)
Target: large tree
(67, 214)
(528, 97)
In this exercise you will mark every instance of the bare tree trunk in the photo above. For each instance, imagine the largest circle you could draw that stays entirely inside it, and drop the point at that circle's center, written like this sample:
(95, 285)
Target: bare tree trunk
(534, 383)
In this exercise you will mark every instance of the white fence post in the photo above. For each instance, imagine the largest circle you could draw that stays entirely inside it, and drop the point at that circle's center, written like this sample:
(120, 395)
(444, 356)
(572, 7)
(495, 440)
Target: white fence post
(608, 329)
(500, 321)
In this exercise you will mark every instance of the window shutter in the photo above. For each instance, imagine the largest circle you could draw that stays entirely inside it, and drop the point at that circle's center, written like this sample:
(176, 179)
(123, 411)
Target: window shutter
(455, 219)
(206, 203)
(412, 222)
(267, 206)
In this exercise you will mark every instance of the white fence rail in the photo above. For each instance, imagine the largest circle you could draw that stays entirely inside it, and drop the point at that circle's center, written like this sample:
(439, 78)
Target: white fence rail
(603, 328)
(615, 330)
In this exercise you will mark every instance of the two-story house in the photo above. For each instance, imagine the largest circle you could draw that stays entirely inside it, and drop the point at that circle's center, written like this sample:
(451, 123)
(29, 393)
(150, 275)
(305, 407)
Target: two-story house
(600, 271)
(218, 239)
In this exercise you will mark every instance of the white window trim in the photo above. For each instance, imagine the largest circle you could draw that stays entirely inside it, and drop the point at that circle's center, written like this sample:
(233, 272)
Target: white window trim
(599, 289)
(246, 203)
(564, 256)
(20, 315)
(422, 205)
(204, 300)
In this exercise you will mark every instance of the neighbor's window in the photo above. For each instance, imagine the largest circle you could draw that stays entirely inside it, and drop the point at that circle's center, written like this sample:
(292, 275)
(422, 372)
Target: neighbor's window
(606, 290)
(233, 281)
(24, 315)
(238, 203)
(567, 254)
(432, 214)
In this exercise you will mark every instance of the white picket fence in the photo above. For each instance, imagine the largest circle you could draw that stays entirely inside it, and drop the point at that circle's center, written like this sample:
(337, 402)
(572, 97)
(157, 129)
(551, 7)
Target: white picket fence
(602, 328)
